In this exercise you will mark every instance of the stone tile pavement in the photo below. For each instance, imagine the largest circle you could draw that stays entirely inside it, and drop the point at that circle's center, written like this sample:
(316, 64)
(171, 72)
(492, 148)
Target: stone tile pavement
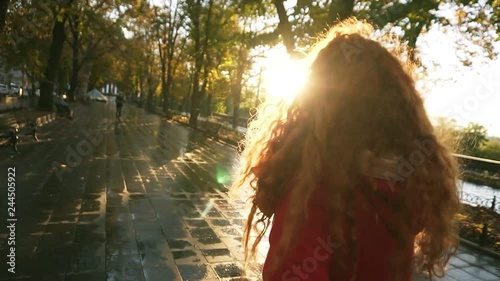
(141, 199)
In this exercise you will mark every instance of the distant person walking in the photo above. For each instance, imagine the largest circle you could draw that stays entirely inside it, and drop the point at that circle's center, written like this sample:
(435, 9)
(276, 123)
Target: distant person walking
(119, 105)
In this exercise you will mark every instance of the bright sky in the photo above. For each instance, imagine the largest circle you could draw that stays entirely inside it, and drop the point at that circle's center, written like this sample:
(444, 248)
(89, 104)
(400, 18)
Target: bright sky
(467, 94)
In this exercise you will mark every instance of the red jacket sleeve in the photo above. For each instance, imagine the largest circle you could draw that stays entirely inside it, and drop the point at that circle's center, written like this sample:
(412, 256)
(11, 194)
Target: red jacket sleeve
(309, 258)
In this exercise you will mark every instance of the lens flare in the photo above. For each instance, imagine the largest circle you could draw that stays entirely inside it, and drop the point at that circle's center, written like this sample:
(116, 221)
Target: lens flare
(284, 77)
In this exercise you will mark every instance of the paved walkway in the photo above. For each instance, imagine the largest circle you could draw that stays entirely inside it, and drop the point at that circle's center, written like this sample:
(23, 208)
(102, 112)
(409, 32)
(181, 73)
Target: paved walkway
(140, 200)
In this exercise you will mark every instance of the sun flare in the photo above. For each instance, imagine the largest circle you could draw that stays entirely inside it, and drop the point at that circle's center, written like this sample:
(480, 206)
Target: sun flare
(283, 77)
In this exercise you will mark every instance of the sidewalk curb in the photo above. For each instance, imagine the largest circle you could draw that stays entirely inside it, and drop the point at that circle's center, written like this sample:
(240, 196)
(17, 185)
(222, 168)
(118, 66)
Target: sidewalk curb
(223, 141)
(478, 248)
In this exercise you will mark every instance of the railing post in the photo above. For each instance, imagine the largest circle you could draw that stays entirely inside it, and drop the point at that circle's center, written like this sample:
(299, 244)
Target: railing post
(494, 203)
(483, 238)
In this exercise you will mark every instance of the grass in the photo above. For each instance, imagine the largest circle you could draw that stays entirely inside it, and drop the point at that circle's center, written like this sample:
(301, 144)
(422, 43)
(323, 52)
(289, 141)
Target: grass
(481, 179)
(472, 219)
(227, 135)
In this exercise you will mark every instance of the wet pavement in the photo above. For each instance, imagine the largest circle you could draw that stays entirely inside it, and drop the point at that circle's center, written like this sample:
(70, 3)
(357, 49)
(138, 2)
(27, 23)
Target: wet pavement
(139, 200)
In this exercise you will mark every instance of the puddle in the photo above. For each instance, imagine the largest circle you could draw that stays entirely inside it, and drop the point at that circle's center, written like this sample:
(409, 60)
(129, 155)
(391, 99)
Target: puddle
(137, 196)
(196, 223)
(192, 215)
(215, 252)
(209, 240)
(178, 244)
(228, 270)
(205, 236)
(213, 213)
(230, 231)
(220, 222)
(195, 272)
(183, 254)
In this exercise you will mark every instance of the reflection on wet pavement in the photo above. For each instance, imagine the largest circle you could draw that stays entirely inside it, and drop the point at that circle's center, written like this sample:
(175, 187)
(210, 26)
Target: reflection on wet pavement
(149, 202)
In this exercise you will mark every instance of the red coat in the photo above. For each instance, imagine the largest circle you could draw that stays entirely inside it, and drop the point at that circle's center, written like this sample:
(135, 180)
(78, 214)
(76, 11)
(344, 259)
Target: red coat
(315, 257)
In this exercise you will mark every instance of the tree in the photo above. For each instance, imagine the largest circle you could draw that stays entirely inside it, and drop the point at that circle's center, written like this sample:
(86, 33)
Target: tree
(200, 33)
(241, 59)
(340, 10)
(24, 41)
(471, 138)
(447, 132)
(48, 82)
(141, 57)
(170, 44)
(490, 151)
(4, 5)
(284, 26)
(309, 18)
(93, 34)
(478, 26)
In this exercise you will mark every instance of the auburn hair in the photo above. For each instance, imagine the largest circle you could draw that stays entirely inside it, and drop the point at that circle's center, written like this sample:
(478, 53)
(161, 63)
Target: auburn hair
(359, 96)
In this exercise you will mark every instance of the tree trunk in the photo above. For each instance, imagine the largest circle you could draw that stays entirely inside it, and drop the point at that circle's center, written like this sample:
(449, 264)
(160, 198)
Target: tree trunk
(47, 84)
(209, 105)
(204, 85)
(150, 104)
(285, 27)
(186, 100)
(141, 90)
(170, 75)
(168, 89)
(195, 95)
(62, 80)
(164, 90)
(237, 88)
(73, 82)
(200, 50)
(236, 105)
(163, 58)
(83, 79)
(195, 99)
(4, 6)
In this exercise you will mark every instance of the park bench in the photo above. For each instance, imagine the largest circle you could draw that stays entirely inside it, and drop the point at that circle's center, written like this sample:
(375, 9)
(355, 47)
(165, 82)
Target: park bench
(212, 129)
(11, 127)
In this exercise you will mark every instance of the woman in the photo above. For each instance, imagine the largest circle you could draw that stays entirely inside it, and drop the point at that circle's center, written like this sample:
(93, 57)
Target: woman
(356, 181)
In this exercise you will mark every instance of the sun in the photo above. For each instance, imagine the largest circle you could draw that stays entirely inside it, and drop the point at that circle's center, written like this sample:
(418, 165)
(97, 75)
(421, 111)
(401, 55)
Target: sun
(283, 77)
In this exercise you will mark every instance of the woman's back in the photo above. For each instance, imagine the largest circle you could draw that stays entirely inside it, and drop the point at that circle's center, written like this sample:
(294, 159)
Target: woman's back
(380, 248)
(307, 164)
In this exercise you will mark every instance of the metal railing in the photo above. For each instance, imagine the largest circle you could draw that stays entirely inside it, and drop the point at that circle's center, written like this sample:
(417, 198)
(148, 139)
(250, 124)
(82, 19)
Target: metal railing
(476, 200)
(493, 166)
(472, 162)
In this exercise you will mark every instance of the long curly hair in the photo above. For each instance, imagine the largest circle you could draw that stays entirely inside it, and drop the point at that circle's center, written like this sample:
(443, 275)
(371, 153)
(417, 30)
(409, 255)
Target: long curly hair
(360, 96)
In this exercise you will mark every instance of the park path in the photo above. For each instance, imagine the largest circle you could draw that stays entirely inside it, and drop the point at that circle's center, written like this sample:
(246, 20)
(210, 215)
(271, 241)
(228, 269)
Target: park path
(141, 200)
